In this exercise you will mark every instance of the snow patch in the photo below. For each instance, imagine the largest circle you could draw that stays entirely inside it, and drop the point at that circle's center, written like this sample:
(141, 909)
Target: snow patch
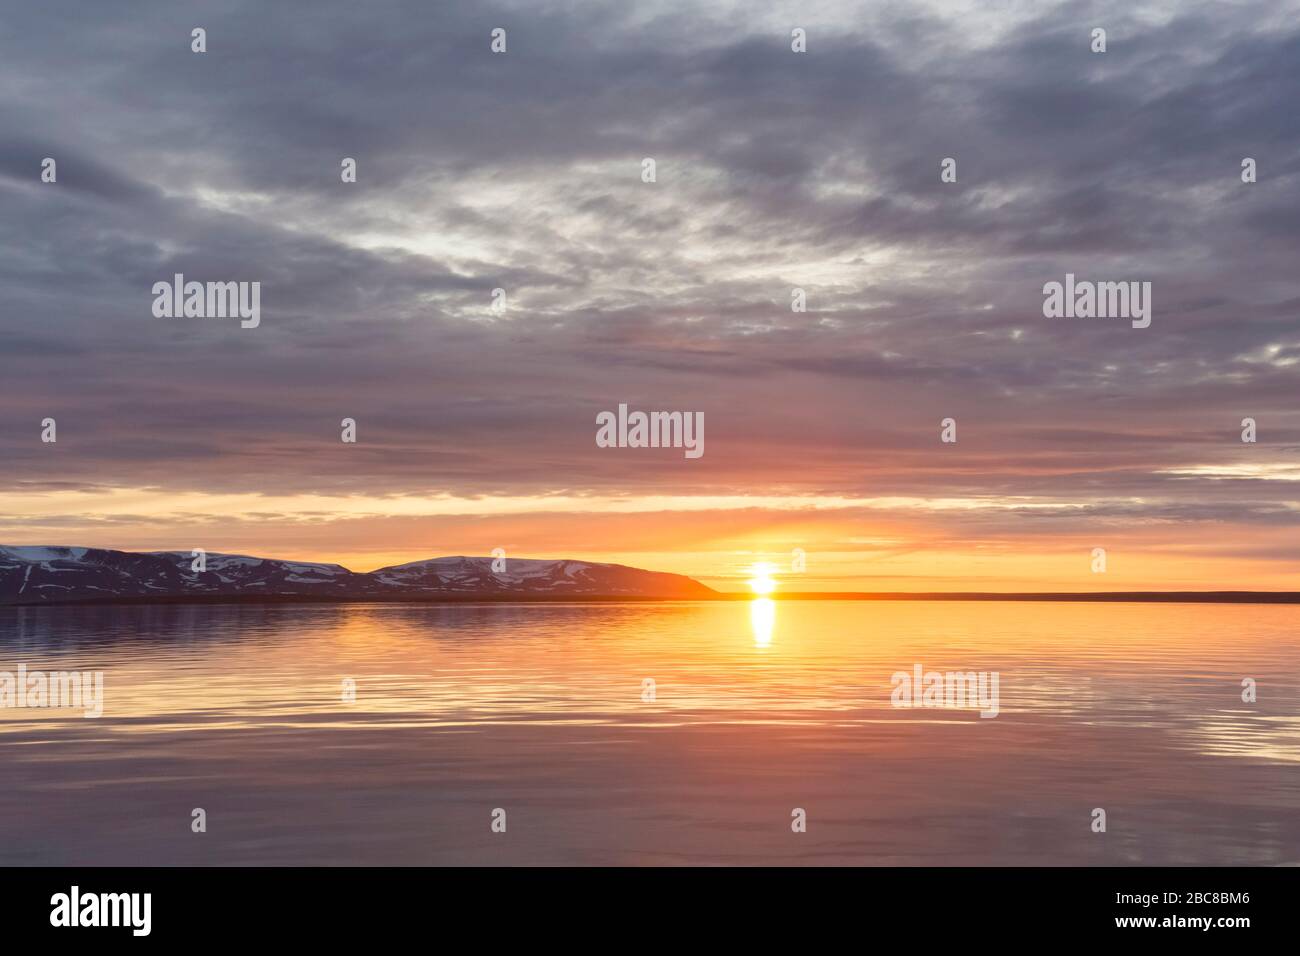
(36, 553)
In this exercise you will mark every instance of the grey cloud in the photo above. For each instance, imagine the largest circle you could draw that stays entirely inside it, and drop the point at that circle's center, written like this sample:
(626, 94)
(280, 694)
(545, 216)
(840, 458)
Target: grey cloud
(523, 172)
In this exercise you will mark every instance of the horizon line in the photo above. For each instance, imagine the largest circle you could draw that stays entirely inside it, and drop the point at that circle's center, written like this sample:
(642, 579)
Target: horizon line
(1117, 597)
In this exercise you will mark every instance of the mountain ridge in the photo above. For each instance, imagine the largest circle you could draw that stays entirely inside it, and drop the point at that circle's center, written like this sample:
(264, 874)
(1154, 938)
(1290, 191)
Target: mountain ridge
(61, 574)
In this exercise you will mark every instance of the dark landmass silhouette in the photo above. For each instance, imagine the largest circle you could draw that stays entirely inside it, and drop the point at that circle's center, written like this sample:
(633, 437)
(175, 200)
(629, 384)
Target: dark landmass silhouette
(66, 575)
(35, 575)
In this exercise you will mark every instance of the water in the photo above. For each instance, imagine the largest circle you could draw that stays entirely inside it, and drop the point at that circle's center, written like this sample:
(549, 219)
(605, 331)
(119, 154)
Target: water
(759, 709)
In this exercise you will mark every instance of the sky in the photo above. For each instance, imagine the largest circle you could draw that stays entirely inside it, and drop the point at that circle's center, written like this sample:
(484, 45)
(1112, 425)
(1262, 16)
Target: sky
(774, 171)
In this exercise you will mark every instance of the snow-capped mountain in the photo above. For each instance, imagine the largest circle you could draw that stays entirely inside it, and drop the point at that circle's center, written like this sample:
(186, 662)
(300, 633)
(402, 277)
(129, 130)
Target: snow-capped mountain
(530, 576)
(43, 575)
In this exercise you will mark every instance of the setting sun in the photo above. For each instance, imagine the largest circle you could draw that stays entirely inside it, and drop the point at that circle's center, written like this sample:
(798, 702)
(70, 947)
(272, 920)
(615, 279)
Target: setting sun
(761, 580)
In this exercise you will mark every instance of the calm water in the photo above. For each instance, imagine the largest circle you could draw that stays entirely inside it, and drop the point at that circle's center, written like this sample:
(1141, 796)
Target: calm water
(758, 709)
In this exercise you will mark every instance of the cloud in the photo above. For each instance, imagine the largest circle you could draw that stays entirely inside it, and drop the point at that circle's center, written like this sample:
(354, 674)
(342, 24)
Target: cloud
(775, 170)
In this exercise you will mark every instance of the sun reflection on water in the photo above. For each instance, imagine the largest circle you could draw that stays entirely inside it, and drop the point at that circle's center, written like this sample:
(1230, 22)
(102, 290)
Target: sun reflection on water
(762, 619)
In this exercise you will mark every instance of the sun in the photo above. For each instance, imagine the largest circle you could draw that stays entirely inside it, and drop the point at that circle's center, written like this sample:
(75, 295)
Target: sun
(761, 580)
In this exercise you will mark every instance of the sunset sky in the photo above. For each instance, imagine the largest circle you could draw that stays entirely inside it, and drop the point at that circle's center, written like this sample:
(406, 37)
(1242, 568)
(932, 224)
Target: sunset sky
(775, 170)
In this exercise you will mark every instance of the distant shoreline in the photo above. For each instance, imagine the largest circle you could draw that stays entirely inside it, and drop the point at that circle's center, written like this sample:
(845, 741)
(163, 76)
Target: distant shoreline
(1091, 597)
(1131, 597)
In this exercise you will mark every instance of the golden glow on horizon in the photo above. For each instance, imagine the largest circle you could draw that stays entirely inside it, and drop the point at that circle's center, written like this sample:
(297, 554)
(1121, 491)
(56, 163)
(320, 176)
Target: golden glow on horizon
(761, 581)
(853, 544)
